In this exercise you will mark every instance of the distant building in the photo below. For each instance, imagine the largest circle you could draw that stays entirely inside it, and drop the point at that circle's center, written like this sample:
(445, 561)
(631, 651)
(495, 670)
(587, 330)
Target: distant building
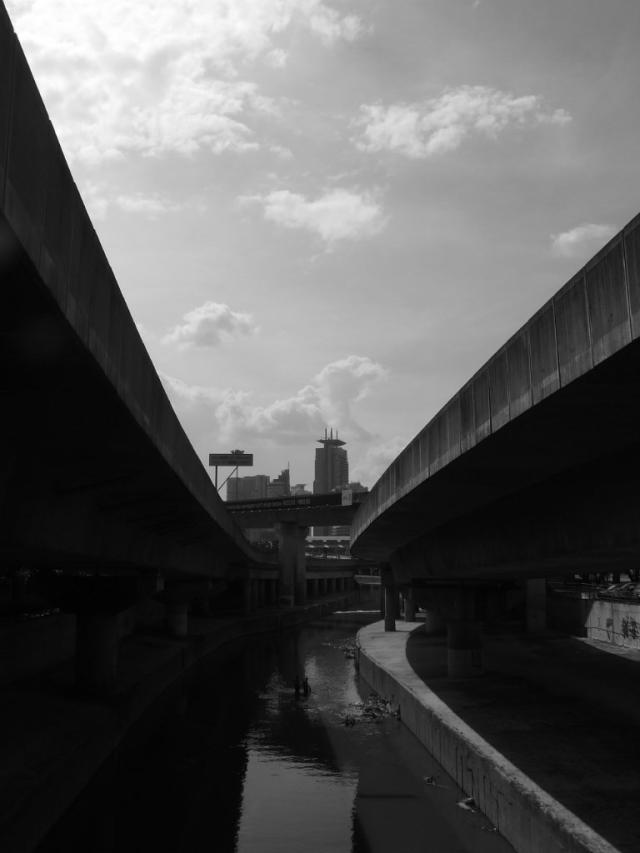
(299, 489)
(332, 466)
(279, 487)
(247, 488)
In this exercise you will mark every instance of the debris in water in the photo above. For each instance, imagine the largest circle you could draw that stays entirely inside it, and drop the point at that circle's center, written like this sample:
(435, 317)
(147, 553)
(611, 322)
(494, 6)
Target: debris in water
(468, 803)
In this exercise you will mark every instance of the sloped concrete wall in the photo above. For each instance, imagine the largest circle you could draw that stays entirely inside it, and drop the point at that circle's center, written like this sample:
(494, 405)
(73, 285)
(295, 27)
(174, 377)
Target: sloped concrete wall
(530, 819)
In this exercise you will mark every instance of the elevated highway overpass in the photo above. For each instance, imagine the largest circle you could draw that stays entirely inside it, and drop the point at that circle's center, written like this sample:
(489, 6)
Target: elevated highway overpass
(101, 492)
(291, 518)
(532, 469)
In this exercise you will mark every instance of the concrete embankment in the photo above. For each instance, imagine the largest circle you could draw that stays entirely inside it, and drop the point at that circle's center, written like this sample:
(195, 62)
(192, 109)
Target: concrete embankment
(54, 741)
(526, 815)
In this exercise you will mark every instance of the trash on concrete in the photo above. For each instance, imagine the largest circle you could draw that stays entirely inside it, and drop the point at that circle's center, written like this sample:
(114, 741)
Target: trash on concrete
(468, 803)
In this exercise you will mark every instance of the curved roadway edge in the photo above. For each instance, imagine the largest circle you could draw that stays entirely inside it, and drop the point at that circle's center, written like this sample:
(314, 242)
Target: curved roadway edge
(529, 818)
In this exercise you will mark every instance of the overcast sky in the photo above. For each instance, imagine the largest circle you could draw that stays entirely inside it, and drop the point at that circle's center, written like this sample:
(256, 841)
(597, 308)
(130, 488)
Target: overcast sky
(332, 213)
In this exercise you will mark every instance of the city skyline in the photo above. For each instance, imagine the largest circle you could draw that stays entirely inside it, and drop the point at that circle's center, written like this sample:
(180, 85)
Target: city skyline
(334, 214)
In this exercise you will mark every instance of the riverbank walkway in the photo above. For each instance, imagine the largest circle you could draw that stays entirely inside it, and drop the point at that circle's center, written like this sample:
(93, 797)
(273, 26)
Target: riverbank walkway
(564, 710)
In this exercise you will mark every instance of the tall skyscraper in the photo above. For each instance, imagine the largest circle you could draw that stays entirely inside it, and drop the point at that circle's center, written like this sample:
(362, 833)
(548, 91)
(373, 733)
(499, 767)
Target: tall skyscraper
(332, 466)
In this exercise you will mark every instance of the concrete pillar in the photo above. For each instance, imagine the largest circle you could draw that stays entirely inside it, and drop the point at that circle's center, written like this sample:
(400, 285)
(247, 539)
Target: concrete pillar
(315, 588)
(433, 622)
(390, 599)
(463, 608)
(97, 641)
(536, 605)
(291, 540)
(409, 605)
(178, 618)
(464, 648)
(246, 592)
(255, 593)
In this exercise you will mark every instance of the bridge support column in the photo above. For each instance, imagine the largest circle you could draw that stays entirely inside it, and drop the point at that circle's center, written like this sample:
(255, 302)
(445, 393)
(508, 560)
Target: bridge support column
(98, 602)
(291, 540)
(464, 648)
(246, 592)
(255, 594)
(177, 617)
(178, 596)
(536, 604)
(409, 605)
(97, 644)
(390, 598)
(462, 608)
(433, 622)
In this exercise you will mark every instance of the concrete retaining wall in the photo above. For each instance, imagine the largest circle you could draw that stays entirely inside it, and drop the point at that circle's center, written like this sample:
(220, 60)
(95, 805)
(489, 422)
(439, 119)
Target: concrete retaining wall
(614, 621)
(523, 813)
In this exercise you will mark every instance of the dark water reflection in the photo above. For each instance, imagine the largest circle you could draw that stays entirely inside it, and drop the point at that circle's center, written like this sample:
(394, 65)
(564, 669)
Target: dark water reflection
(235, 762)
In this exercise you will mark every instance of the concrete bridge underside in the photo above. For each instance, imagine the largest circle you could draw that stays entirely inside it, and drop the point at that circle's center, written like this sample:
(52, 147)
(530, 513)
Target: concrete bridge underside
(532, 469)
(97, 471)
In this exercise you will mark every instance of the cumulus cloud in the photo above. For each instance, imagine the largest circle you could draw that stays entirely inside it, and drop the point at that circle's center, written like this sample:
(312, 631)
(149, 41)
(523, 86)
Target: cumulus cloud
(438, 125)
(209, 325)
(369, 466)
(339, 214)
(153, 205)
(155, 77)
(582, 240)
(328, 399)
(100, 198)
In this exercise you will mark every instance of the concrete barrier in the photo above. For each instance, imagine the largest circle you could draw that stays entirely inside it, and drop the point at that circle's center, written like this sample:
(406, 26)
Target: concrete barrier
(524, 814)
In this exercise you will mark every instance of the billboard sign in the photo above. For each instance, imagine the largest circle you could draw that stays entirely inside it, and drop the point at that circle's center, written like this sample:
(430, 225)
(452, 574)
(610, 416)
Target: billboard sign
(236, 457)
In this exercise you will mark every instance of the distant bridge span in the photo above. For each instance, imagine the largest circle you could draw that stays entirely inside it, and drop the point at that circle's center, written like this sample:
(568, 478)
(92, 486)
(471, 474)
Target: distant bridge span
(303, 510)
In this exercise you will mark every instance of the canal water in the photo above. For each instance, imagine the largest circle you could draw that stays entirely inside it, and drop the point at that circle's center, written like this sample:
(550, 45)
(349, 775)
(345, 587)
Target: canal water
(235, 762)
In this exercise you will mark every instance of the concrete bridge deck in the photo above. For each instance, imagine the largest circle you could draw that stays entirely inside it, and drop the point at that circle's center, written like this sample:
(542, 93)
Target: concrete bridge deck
(531, 469)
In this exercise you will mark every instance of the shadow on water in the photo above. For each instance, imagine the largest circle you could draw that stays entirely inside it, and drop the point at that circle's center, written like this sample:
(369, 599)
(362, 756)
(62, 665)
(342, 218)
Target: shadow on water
(233, 761)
